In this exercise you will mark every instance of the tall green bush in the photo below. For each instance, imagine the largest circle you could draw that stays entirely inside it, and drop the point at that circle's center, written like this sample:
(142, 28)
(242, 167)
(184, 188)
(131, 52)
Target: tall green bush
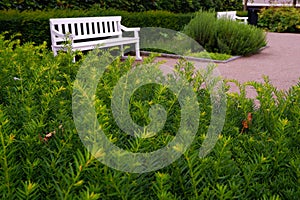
(224, 36)
(283, 19)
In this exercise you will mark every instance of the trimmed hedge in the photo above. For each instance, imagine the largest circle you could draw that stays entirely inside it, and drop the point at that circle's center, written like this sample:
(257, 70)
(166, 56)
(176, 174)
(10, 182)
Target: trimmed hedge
(34, 25)
(182, 6)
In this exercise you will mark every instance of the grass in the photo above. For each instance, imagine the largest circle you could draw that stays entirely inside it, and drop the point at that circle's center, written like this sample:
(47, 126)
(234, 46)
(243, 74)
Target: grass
(210, 55)
(202, 54)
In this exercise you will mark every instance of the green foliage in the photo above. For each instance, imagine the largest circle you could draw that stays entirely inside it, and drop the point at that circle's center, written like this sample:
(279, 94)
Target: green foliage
(224, 36)
(213, 56)
(242, 13)
(283, 19)
(35, 99)
(45, 4)
(34, 26)
(182, 6)
(227, 5)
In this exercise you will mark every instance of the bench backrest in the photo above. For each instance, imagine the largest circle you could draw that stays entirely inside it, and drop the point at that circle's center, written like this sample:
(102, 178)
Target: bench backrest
(86, 27)
(228, 15)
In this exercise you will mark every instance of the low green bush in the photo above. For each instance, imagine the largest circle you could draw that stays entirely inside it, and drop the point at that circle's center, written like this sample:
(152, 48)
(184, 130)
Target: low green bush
(224, 36)
(34, 25)
(282, 19)
(260, 162)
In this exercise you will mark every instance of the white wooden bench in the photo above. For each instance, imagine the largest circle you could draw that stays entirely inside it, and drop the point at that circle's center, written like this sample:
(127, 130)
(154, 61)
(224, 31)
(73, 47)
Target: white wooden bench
(231, 15)
(86, 33)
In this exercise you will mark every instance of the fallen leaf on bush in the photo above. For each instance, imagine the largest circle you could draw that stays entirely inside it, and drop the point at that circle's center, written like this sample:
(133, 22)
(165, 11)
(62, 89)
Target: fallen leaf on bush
(47, 136)
(246, 123)
(50, 134)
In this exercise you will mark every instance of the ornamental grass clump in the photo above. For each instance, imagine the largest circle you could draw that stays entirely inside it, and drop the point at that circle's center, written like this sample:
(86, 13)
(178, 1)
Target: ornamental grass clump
(224, 36)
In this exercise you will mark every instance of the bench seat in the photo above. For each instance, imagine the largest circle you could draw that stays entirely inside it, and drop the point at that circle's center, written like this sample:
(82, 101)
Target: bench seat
(89, 45)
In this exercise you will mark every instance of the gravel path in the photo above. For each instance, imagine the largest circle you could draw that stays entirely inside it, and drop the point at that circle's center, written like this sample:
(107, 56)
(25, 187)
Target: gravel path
(280, 61)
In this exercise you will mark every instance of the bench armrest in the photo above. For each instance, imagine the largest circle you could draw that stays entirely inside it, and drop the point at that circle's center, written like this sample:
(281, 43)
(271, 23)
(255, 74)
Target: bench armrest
(134, 29)
(58, 34)
(130, 29)
(245, 19)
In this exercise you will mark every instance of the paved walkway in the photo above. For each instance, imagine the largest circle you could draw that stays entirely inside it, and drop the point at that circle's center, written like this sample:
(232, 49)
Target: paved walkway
(280, 61)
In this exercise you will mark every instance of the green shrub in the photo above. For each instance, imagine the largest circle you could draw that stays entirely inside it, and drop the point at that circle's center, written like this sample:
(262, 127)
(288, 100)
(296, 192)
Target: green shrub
(235, 38)
(34, 26)
(224, 36)
(202, 28)
(283, 19)
(261, 162)
(242, 13)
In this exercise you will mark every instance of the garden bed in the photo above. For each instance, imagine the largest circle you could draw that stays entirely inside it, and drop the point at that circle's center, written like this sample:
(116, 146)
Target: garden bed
(192, 58)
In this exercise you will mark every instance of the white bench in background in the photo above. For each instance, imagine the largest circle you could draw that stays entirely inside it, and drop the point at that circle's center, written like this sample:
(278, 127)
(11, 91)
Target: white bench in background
(86, 33)
(232, 16)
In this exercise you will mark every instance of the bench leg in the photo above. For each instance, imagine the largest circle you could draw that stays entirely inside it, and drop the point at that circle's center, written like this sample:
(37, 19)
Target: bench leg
(54, 51)
(122, 50)
(137, 51)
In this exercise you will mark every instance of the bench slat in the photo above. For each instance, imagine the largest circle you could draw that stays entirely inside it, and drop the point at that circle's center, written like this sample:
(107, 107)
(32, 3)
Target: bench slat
(80, 28)
(67, 28)
(90, 25)
(105, 27)
(73, 30)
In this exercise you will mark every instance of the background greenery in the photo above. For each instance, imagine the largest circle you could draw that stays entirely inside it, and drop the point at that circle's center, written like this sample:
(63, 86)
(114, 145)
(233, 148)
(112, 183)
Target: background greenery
(126, 5)
(260, 162)
(284, 19)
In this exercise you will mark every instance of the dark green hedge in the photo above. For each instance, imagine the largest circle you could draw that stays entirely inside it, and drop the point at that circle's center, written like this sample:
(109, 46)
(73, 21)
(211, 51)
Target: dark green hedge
(178, 6)
(34, 25)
